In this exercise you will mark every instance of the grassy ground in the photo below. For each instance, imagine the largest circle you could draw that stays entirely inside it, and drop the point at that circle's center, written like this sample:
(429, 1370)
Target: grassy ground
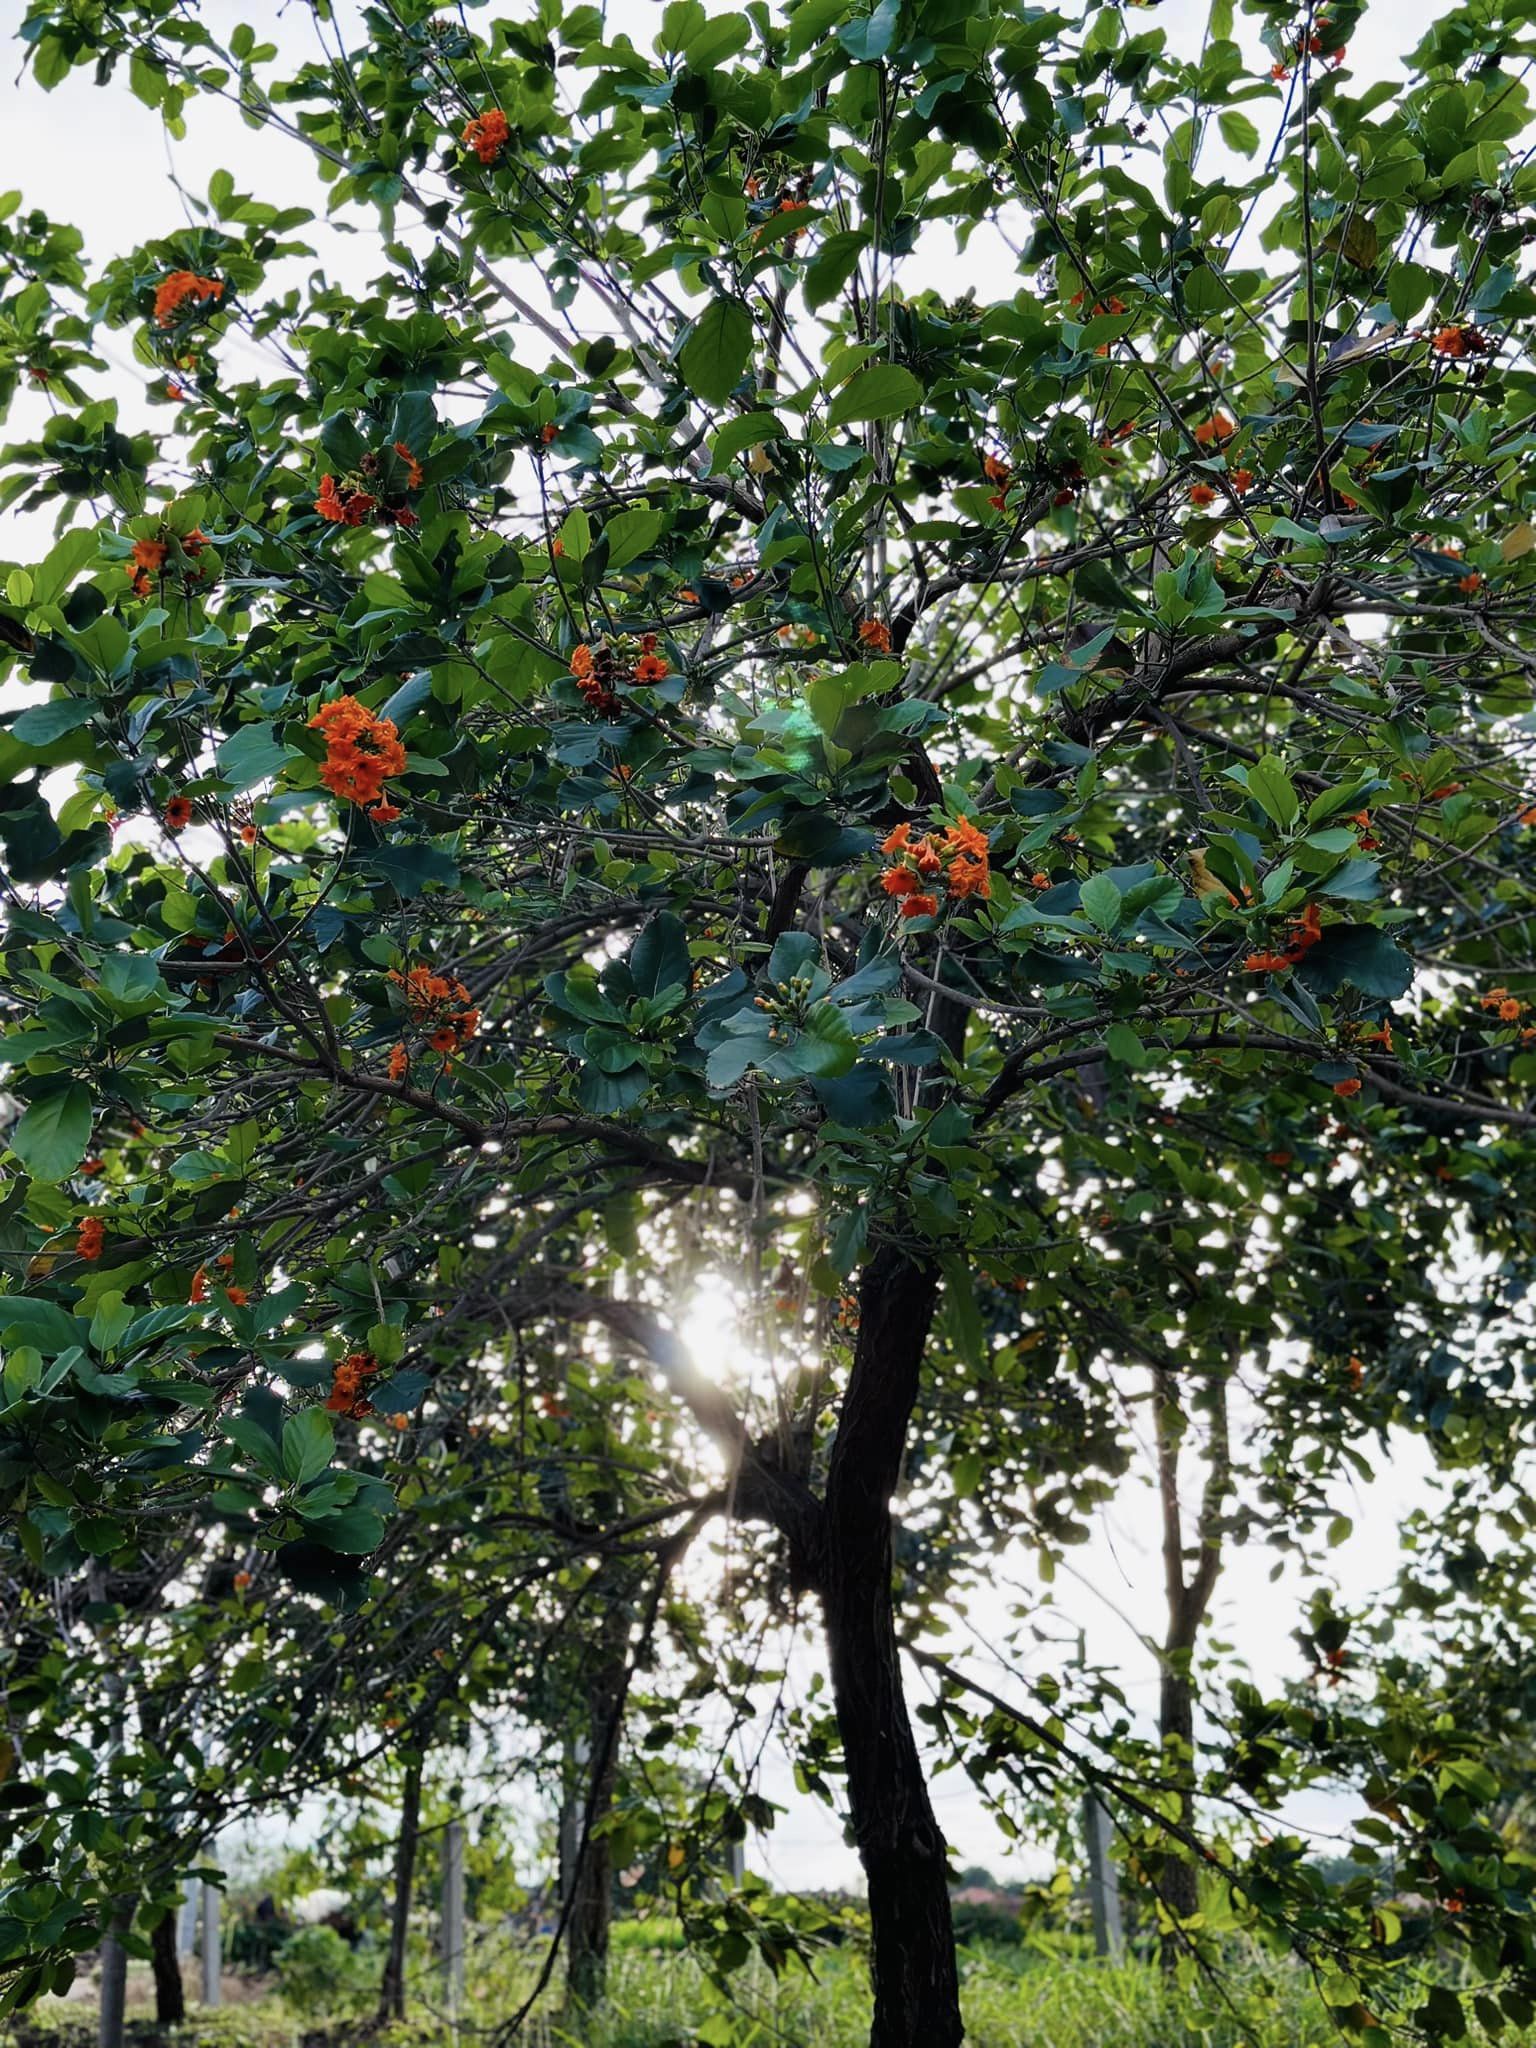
(660, 1999)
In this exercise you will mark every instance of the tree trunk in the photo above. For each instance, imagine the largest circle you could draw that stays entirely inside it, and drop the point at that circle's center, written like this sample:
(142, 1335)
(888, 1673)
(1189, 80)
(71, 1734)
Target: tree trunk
(901, 1846)
(1189, 1598)
(170, 1992)
(392, 1990)
(591, 1877)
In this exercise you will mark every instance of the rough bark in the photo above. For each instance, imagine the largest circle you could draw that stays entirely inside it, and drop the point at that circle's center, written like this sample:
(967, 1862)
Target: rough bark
(900, 1843)
(1189, 1598)
(591, 1904)
(392, 1989)
(170, 1992)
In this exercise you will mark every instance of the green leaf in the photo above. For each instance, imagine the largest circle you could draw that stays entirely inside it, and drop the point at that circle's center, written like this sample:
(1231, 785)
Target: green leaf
(45, 723)
(250, 755)
(750, 431)
(715, 354)
(827, 1046)
(354, 1531)
(659, 958)
(308, 1440)
(1238, 132)
(1272, 789)
(1362, 955)
(831, 267)
(870, 38)
(1122, 1044)
(881, 392)
(51, 1138)
(1101, 903)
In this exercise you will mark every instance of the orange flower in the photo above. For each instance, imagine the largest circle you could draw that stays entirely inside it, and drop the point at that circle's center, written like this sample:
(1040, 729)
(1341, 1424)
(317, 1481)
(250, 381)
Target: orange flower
(1267, 963)
(875, 634)
(399, 1062)
(384, 813)
(1202, 495)
(178, 814)
(1510, 1009)
(487, 134)
(548, 433)
(1278, 72)
(651, 668)
(1367, 840)
(920, 906)
(557, 546)
(1040, 879)
(1470, 583)
(242, 1582)
(1450, 341)
(174, 391)
(995, 471)
(89, 1242)
(1241, 481)
(898, 882)
(964, 837)
(898, 839)
(362, 751)
(1212, 432)
(149, 555)
(248, 835)
(1351, 1087)
(237, 1297)
(89, 1168)
(345, 1397)
(969, 878)
(199, 1288)
(412, 466)
(344, 507)
(173, 291)
(581, 662)
(444, 1039)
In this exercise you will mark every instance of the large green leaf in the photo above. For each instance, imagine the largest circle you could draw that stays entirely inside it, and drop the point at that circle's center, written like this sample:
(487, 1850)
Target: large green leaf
(715, 354)
(52, 1136)
(882, 392)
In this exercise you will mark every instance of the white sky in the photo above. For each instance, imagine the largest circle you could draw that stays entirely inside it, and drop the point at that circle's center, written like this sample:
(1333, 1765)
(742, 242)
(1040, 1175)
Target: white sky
(112, 179)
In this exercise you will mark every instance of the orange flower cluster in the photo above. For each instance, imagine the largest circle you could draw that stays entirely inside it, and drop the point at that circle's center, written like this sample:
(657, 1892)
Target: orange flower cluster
(1347, 1088)
(651, 667)
(399, 1062)
(595, 670)
(1202, 495)
(198, 1291)
(149, 558)
(1509, 1009)
(487, 135)
(362, 752)
(345, 507)
(875, 634)
(173, 292)
(437, 1002)
(1458, 341)
(959, 857)
(1241, 481)
(93, 1233)
(347, 1382)
(1305, 932)
(1212, 432)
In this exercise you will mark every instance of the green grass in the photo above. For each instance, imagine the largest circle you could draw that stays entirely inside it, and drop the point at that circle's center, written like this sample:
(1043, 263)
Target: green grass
(659, 1998)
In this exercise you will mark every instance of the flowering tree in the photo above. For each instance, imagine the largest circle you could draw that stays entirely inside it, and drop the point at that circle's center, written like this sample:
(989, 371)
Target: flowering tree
(887, 650)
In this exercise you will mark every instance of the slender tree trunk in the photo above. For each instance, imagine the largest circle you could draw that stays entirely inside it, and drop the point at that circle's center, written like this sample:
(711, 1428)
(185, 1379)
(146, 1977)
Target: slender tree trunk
(1189, 1598)
(591, 1877)
(170, 1992)
(392, 1990)
(901, 1846)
